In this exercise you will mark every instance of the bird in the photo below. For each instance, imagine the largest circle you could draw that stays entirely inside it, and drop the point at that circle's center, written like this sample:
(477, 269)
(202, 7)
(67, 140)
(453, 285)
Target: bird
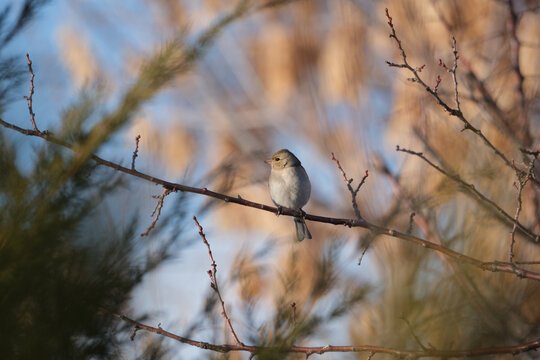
(290, 187)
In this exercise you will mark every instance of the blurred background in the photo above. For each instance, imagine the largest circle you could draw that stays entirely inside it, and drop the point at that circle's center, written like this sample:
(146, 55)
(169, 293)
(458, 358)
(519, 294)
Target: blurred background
(309, 76)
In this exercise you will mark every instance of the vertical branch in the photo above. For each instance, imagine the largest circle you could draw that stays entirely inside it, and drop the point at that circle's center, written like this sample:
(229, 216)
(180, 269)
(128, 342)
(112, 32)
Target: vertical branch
(31, 93)
(522, 181)
(214, 284)
(520, 186)
(453, 72)
(136, 152)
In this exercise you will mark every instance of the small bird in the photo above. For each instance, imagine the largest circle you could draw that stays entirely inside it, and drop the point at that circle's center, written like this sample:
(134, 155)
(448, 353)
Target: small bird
(290, 187)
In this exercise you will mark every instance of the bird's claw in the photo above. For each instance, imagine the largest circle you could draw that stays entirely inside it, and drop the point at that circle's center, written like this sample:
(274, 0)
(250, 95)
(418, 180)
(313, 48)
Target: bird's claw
(279, 210)
(302, 213)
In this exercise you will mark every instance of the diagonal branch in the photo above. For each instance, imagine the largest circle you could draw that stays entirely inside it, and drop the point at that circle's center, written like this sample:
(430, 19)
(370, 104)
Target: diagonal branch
(471, 189)
(494, 266)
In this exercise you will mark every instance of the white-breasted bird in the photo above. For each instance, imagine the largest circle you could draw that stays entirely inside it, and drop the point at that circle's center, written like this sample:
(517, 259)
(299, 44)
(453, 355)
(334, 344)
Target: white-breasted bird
(290, 187)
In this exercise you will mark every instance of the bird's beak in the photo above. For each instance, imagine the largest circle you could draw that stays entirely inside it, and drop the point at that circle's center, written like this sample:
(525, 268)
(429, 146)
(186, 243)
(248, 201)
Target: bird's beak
(269, 161)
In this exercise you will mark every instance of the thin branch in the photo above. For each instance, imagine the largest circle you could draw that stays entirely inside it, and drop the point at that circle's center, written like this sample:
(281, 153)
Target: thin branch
(522, 181)
(472, 190)
(414, 335)
(135, 152)
(157, 209)
(452, 111)
(362, 223)
(354, 192)
(214, 283)
(31, 93)
(253, 349)
(520, 186)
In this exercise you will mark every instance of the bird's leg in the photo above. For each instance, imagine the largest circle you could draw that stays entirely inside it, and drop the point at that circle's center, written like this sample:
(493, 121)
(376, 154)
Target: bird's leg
(279, 210)
(302, 213)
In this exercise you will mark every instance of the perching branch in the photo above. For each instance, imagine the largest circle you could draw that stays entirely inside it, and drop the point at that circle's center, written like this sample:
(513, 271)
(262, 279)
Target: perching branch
(456, 256)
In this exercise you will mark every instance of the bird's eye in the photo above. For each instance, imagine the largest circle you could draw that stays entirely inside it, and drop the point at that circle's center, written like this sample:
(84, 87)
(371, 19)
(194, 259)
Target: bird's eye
(277, 159)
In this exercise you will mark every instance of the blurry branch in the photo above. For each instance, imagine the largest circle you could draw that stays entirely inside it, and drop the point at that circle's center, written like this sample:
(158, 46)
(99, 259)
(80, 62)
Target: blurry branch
(515, 58)
(214, 284)
(157, 209)
(27, 12)
(470, 189)
(225, 348)
(456, 112)
(494, 266)
(174, 58)
(31, 93)
(274, 3)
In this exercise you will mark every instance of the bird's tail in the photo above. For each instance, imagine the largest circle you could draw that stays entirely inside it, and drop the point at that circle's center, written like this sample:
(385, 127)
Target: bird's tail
(302, 231)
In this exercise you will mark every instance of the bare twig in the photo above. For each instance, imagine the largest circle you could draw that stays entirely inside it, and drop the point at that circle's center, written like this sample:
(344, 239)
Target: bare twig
(135, 152)
(348, 182)
(157, 209)
(31, 93)
(456, 112)
(380, 230)
(488, 102)
(520, 185)
(522, 181)
(414, 354)
(452, 72)
(214, 283)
